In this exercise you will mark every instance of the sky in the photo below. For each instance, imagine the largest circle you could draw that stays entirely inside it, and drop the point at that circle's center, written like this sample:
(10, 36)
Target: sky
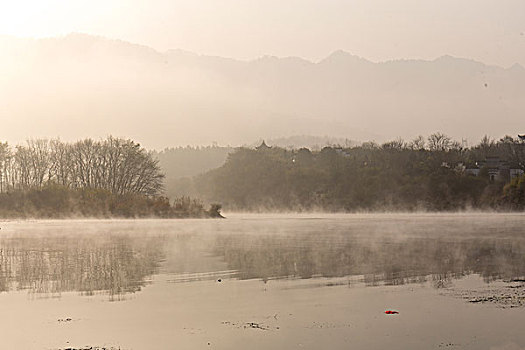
(491, 31)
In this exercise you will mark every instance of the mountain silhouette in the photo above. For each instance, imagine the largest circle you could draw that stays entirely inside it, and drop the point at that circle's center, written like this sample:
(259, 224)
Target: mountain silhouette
(87, 86)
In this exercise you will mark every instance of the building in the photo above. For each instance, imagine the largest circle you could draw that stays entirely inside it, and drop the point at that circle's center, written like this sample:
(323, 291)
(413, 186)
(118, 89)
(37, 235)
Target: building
(497, 169)
(262, 147)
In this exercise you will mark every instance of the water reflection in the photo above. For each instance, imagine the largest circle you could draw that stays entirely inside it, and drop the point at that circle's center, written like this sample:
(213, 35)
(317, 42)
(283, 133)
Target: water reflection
(117, 264)
(390, 262)
(120, 257)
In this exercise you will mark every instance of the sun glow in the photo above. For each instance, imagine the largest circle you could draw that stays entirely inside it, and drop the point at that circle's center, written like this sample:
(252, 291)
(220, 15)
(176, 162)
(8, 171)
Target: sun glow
(25, 18)
(46, 18)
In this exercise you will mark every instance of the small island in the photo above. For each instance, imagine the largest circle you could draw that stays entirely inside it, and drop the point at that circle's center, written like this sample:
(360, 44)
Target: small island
(110, 178)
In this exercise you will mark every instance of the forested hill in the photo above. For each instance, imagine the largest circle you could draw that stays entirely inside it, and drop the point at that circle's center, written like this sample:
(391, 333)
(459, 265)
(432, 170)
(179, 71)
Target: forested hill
(190, 161)
(179, 164)
(425, 174)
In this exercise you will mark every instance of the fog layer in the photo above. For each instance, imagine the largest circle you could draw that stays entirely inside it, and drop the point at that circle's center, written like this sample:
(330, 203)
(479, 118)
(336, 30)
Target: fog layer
(84, 86)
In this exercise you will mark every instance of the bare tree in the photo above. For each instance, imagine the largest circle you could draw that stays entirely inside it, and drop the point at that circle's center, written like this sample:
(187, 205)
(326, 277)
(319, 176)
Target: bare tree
(119, 166)
(439, 142)
(5, 154)
(417, 144)
(397, 144)
(39, 161)
(61, 167)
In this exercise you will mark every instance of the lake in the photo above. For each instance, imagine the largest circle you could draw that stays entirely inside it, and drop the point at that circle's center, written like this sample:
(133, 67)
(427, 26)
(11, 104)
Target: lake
(289, 281)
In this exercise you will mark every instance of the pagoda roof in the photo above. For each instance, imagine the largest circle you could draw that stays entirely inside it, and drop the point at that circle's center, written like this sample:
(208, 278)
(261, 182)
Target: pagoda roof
(262, 146)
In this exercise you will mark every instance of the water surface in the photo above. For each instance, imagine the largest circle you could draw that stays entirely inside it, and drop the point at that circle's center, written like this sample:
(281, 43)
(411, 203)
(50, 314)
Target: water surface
(279, 281)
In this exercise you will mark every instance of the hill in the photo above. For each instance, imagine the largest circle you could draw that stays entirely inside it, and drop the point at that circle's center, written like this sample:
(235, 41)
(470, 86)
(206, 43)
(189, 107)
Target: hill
(85, 86)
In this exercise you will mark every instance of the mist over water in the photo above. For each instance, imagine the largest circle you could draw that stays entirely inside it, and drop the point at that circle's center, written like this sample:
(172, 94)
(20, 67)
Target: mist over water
(119, 257)
(309, 279)
(128, 128)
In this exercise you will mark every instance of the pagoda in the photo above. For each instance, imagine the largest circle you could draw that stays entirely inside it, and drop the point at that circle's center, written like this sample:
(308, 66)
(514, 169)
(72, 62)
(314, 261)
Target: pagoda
(262, 147)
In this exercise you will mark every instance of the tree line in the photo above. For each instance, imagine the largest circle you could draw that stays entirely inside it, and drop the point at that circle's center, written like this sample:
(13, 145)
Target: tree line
(112, 177)
(421, 174)
(117, 165)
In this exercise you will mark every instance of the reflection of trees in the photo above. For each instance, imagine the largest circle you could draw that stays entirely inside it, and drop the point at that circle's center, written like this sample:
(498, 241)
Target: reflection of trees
(116, 264)
(385, 262)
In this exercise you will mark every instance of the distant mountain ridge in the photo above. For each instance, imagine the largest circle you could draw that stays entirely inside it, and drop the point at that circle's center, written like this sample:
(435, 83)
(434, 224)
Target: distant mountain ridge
(307, 141)
(86, 86)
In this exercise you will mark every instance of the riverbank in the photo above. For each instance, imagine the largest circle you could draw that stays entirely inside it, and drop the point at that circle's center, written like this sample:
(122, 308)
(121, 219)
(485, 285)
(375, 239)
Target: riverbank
(56, 202)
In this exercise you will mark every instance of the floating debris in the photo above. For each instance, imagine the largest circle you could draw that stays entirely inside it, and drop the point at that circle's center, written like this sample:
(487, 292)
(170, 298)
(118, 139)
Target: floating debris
(250, 325)
(504, 294)
(518, 279)
(256, 325)
(391, 312)
(446, 345)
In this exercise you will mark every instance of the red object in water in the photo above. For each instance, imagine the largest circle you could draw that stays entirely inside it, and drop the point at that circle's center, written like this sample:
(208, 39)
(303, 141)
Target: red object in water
(389, 312)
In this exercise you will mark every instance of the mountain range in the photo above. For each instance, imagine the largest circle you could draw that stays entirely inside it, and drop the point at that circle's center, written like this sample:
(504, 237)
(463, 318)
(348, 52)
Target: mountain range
(87, 86)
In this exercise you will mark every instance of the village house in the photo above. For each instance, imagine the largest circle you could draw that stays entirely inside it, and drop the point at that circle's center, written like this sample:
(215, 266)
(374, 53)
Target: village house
(497, 169)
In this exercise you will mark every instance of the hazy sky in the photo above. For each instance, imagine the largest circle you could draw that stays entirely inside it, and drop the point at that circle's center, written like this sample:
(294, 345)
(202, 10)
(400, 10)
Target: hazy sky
(492, 31)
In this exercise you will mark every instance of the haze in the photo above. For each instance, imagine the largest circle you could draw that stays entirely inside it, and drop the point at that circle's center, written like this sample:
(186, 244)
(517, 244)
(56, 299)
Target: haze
(91, 85)
(489, 31)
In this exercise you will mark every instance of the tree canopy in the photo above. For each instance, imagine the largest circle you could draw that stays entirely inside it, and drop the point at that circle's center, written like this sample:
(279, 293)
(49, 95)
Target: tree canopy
(418, 175)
